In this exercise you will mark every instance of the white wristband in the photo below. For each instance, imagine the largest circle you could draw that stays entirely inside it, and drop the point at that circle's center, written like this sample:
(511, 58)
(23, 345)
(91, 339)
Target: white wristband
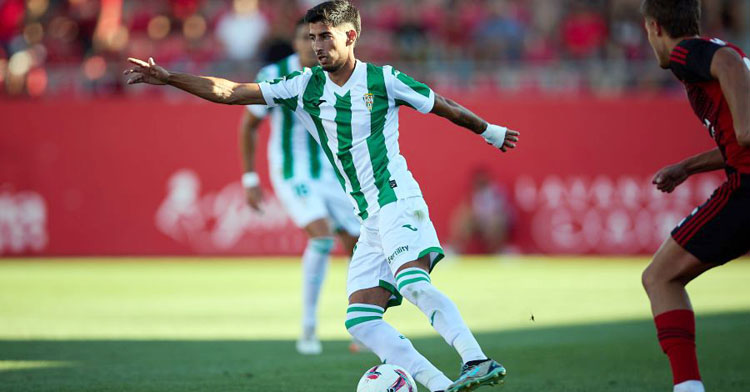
(250, 180)
(495, 135)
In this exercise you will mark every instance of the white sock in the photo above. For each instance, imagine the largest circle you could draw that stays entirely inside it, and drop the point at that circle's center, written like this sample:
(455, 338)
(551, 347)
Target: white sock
(414, 284)
(314, 265)
(690, 386)
(365, 323)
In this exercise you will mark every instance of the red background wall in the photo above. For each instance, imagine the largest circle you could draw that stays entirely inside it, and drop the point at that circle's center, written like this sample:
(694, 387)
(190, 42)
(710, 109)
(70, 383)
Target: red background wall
(90, 177)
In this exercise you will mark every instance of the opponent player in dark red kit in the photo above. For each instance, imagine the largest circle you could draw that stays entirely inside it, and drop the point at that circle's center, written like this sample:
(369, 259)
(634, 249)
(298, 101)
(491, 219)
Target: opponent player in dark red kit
(716, 76)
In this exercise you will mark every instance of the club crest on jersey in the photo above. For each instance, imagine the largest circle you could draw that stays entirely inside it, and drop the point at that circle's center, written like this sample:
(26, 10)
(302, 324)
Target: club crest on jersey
(369, 99)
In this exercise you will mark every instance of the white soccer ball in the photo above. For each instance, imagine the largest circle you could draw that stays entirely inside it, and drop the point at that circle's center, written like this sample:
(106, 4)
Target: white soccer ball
(386, 378)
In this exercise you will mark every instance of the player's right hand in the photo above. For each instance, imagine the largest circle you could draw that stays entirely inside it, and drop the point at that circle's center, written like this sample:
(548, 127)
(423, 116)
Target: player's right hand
(146, 72)
(254, 197)
(668, 178)
(500, 137)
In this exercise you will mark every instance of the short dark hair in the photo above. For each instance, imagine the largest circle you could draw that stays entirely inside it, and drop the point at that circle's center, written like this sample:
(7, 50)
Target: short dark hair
(334, 14)
(680, 18)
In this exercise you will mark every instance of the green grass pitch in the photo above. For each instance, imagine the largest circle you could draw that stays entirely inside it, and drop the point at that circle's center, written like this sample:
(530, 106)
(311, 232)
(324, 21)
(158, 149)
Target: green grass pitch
(172, 325)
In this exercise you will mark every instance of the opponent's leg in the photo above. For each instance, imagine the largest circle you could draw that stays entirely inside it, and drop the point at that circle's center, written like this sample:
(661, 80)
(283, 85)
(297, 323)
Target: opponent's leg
(664, 280)
(364, 321)
(314, 267)
(413, 282)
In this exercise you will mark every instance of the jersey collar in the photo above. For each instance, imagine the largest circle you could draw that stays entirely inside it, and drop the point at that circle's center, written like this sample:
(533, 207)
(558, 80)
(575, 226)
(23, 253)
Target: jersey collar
(359, 68)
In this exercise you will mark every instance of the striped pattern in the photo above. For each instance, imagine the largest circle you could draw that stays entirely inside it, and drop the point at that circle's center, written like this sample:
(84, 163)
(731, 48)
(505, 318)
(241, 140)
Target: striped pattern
(679, 55)
(707, 211)
(675, 333)
(287, 122)
(343, 120)
(311, 97)
(293, 152)
(357, 127)
(321, 245)
(314, 149)
(411, 276)
(376, 141)
(361, 313)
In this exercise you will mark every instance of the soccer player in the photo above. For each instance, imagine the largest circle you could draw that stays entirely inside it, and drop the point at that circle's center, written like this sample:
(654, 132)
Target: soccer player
(304, 181)
(351, 108)
(716, 76)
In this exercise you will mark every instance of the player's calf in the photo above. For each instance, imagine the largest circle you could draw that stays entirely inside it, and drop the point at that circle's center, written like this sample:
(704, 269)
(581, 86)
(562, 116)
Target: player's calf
(365, 323)
(664, 281)
(314, 266)
(416, 286)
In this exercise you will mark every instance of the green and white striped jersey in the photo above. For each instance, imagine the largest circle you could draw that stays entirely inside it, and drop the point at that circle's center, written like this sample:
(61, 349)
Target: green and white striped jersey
(357, 127)
(293, 153)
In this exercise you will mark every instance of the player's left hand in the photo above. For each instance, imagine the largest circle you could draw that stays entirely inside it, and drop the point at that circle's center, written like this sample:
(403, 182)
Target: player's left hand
(668, 178)
(146, 72)
(500, 137)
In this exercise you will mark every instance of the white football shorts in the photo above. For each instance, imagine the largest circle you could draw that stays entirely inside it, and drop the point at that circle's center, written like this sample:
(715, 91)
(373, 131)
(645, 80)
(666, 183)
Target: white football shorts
(399, 233)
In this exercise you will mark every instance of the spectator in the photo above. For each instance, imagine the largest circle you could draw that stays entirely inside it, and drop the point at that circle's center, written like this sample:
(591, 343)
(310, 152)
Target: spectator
(490, 45)
(501, 34)
(483, 222)
(242, 30)
(584, 31)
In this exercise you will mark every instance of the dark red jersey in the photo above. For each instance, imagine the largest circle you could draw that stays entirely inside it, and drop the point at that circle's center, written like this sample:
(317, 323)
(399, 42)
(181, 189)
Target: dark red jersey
(690, 61)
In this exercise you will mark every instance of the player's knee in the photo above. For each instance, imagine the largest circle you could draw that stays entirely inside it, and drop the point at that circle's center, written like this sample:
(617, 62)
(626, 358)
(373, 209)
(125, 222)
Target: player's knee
(322, 245)
(361, 318)
(413, 292)
(414, 284)
(659, 274)
(648, 279)
(318, 228)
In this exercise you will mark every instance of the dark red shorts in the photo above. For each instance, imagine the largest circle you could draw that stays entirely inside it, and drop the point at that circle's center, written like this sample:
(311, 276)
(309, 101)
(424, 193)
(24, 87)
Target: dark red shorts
(719, 230)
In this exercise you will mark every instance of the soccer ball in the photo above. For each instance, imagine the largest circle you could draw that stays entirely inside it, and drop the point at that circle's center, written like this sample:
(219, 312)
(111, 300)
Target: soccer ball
(386, 378)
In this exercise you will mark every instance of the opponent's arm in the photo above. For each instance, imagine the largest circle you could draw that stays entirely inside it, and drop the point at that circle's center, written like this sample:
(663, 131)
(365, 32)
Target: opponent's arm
(668, 178)
(733, 74)
(248, 136)
(498, 136)
(213, 89)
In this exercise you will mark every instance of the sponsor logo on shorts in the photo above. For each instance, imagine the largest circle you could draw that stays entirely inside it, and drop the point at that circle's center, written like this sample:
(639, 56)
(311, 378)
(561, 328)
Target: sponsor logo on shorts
(410, 227)
(398, 251)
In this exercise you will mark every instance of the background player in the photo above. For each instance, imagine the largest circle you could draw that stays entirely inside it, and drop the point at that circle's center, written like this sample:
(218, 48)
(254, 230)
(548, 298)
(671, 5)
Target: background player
(305, 183)
(716, 76)
(352, 109)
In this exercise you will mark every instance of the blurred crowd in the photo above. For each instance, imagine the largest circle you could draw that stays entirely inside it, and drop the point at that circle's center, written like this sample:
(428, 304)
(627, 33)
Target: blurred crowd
(78, 47)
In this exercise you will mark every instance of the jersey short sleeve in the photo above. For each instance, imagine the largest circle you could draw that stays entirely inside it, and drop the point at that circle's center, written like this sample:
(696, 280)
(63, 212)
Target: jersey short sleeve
(409, 92)
(269, 72)
(285, 91)
(691, 59)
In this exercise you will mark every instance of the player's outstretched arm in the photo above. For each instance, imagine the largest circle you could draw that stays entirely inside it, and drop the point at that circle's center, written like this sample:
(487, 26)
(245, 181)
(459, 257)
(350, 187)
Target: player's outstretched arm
(213, 89)
(500, 137)
(668, 178)
(733, 73)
